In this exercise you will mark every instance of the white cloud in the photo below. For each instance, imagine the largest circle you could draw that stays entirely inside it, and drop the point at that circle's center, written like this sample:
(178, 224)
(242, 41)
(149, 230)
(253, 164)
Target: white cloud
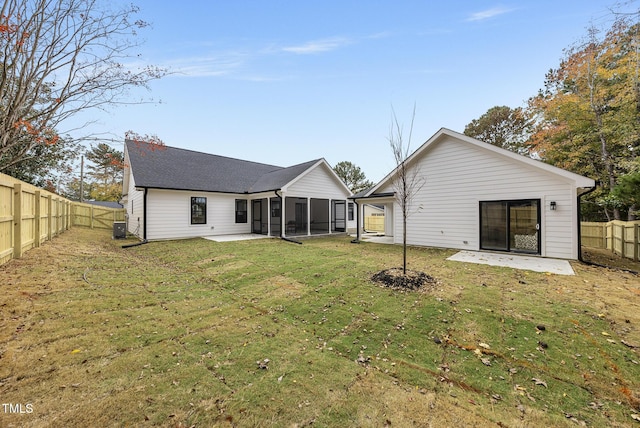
(487, 14)
(316, 46)
(207, 65)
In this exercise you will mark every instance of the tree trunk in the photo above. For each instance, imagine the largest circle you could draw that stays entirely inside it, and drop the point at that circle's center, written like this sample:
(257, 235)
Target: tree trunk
(404, 244)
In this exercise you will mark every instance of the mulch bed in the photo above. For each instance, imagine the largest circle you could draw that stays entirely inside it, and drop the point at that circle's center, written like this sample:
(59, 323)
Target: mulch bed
(394, 278)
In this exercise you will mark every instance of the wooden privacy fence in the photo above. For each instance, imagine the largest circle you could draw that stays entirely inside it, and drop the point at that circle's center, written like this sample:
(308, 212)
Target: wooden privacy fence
(95, 217)
(374, 223)
(619, 237)
(30, 215)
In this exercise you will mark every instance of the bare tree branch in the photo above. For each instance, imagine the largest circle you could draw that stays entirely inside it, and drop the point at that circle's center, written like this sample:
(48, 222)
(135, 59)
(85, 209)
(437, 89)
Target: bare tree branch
(59, 58)
(407, 179)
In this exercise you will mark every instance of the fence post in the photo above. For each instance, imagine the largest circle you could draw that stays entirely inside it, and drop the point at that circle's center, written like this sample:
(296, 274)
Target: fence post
(17, 221)
(49, 219)
(636, 236)
(67, 215)
(36, 225)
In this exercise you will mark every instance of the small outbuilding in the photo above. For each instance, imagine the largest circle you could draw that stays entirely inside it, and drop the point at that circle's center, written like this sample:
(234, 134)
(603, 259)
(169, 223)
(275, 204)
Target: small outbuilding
(475, 196)
(172, 193)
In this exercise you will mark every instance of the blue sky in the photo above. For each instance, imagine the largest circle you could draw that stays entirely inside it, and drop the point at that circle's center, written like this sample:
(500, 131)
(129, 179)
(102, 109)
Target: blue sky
(284, 82)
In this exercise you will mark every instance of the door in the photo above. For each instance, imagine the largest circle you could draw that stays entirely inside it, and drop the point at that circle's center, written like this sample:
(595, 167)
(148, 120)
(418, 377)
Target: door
(256, 215)
(339, 216)
(510, 226)
(301, 217)
(524, 227)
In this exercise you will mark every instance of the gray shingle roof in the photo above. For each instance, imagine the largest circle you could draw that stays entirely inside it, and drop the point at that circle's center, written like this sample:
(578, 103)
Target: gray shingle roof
(180, 169)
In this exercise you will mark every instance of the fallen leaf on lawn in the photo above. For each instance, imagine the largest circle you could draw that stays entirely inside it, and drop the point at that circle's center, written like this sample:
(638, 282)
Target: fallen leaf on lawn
(280, 378)
(76, 351)
(636, 417)
(484, 345)
(627, 344)
(604, 333)
(486, 361)
(539, 382)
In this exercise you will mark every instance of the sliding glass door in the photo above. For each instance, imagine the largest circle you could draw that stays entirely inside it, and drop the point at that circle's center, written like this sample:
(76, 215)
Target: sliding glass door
(510, 226)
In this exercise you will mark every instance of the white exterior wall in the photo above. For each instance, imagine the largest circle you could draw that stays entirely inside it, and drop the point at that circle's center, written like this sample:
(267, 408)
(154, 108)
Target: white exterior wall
(316, 183)
(133, 203)
(169, 214)
(458, 176)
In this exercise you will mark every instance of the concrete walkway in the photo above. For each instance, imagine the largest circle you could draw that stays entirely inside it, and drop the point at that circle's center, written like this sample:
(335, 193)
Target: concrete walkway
(537, 264)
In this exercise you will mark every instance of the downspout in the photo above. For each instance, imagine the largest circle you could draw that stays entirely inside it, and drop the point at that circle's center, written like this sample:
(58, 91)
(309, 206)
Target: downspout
(357, 240)
(144, 215)
(580, 221)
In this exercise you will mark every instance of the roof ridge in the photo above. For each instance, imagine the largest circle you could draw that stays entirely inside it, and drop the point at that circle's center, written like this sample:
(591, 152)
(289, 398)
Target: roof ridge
(207, 154)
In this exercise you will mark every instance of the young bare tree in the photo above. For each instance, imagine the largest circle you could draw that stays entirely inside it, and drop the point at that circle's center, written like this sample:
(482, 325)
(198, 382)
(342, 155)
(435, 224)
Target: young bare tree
(407, 181)
(59, 58)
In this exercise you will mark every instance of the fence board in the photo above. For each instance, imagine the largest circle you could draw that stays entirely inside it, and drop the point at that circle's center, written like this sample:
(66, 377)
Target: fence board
(374, 223)
(30, 216)
(6, 220)
(619, 237)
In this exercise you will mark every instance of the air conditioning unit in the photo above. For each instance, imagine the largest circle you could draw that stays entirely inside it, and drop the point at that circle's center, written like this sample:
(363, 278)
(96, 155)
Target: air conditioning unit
(119, 230)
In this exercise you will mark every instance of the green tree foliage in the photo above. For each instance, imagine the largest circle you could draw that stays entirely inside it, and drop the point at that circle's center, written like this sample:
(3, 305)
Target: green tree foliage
(352, 176)
(628, 189)
(106, 169)
(502, 126)
(44, 165)
(587, 117)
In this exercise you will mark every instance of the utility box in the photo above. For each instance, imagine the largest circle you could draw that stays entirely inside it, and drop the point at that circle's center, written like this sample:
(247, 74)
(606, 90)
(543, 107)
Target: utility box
(119, 230)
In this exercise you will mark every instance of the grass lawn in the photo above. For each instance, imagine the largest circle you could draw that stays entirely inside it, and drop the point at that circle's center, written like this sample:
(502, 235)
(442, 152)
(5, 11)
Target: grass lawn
(269, 333)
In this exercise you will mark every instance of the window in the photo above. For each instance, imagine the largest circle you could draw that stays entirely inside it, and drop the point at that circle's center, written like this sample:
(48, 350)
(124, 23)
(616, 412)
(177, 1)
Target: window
(198, 210)
(275, 207)
(241, 210)
(350, 211)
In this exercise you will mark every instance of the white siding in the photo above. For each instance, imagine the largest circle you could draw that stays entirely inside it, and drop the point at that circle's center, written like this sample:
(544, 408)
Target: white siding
(169, 215)
(317, 183)
(133, 202)
(457, 176)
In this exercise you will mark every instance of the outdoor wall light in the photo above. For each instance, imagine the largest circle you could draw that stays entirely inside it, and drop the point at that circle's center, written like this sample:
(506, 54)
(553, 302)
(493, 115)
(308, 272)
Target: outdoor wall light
(552, 206)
